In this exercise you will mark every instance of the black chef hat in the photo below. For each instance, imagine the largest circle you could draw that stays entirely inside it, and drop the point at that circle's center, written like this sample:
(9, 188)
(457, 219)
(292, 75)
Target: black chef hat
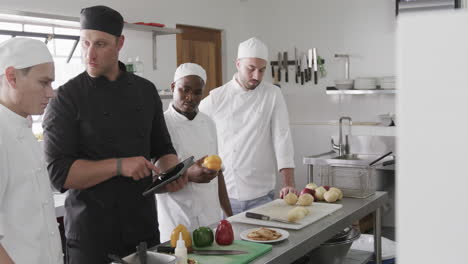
(102, 18)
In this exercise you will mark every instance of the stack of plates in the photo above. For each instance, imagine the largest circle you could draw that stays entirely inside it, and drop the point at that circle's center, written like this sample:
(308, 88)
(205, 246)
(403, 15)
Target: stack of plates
(344, 84)
(367, 83)
(387, 82)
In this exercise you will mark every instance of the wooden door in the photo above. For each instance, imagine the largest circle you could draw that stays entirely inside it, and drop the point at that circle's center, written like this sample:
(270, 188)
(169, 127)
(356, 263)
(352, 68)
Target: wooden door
(202, 46)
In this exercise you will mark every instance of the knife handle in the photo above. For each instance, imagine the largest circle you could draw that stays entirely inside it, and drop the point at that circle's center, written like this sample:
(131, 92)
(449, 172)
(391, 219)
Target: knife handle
(272, 71)
(302, 78)
(256, 216)
(310, 74)
(165, 249)
(286, 75)
(315, 77)
(279, 74)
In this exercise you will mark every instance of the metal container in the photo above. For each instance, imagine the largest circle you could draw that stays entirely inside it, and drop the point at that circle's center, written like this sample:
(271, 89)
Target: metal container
(152, 258)
(334, 251)
(356, 181)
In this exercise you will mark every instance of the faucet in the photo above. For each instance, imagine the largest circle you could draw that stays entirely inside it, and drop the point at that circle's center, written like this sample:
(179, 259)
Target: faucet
(343, 148)
(346, 56)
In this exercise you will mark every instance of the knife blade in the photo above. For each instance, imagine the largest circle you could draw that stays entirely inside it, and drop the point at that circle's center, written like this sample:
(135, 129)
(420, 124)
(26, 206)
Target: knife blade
(285, 65)
(279, 66)
(304, 67)
(315, 65)
(267, 218)
(310, 64)
(166, 249)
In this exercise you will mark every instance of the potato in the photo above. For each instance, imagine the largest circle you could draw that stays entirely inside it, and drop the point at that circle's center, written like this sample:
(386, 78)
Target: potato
(305, 199)
(297, 213)
(339, 192)
(319, 192)
(290, 198)
(311, 186)
(331, 196)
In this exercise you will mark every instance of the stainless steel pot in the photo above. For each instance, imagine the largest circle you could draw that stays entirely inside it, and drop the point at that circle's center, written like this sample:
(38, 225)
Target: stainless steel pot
(334, 251)
(151, 258)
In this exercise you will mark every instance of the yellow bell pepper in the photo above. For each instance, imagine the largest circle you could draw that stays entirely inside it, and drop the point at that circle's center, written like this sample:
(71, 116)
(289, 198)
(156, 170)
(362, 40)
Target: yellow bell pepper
(212, 162)
(185, 236)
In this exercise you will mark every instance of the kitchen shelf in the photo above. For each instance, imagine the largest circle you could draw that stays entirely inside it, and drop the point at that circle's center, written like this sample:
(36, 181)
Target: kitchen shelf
(333, 90)
(26, 17)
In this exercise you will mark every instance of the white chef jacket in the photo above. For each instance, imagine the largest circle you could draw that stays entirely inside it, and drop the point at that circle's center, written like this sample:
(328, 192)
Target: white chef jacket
(28, 226)
(254, 138)
(197, 204)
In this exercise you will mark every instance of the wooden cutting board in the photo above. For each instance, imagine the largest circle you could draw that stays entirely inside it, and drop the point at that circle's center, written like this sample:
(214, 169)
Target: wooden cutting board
(255, 250)
(279, 209)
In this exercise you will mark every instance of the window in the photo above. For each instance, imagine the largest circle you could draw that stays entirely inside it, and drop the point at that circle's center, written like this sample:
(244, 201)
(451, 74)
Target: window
(60, 48)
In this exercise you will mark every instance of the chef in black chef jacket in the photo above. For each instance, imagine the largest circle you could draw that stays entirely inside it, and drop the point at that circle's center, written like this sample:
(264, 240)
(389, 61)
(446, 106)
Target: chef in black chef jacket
(100, 133)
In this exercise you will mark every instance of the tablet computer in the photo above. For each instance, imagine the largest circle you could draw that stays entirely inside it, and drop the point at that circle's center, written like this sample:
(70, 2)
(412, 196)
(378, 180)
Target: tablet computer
(169, 176)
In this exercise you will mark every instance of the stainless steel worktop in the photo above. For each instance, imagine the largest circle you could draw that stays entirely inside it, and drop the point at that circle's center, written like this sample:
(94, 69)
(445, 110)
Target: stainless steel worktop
(300, 242)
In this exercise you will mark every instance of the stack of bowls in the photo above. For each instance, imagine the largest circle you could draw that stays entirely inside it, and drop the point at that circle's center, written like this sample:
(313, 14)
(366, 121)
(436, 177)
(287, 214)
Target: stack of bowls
(365, 83)
(344, 84)
(334, 250)
(387, 82)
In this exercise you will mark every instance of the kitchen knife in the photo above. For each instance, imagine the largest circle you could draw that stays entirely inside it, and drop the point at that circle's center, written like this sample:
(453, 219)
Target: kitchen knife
(304, 68)
(166, 249)
(301, 73)
(310, 64)
(267, 218)
(285, 65)
(279, 66)
(296, 66)
(315, 65)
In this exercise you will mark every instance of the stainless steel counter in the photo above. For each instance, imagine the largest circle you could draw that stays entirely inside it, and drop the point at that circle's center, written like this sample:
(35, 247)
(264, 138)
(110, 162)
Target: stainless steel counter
(300, 242)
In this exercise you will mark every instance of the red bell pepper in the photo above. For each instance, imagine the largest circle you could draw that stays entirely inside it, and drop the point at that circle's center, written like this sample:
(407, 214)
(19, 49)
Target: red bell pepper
(224, 233)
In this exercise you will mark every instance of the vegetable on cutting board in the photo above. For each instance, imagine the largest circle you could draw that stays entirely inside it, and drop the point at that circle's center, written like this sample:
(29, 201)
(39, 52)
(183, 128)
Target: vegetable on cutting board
(185, 235)
(224, 233)
(203, 237)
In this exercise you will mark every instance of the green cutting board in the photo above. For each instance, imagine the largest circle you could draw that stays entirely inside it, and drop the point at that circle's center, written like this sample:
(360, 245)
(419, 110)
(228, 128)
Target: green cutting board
(255, 250)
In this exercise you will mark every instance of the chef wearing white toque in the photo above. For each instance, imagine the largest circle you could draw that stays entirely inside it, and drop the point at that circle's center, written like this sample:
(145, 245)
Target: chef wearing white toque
(28, 226)
(192, 134)
(254, 138)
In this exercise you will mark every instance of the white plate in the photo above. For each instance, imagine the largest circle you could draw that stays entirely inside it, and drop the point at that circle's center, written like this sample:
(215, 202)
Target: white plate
(284, 235)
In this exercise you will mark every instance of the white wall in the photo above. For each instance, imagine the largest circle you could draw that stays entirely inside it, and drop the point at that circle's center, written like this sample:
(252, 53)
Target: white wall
(432, 179)
(364, 29)
(219, 14)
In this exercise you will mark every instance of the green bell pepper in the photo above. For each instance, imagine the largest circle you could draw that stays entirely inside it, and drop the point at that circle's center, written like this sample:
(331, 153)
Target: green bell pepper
(203, 237)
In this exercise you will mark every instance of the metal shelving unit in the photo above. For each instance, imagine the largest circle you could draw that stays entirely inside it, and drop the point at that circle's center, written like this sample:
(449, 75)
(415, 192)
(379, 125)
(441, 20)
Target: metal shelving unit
(333, 90)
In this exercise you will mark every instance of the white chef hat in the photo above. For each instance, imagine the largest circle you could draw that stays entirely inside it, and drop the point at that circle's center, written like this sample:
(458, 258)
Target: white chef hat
(22, 53)
(252, 48)
(187, 69)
